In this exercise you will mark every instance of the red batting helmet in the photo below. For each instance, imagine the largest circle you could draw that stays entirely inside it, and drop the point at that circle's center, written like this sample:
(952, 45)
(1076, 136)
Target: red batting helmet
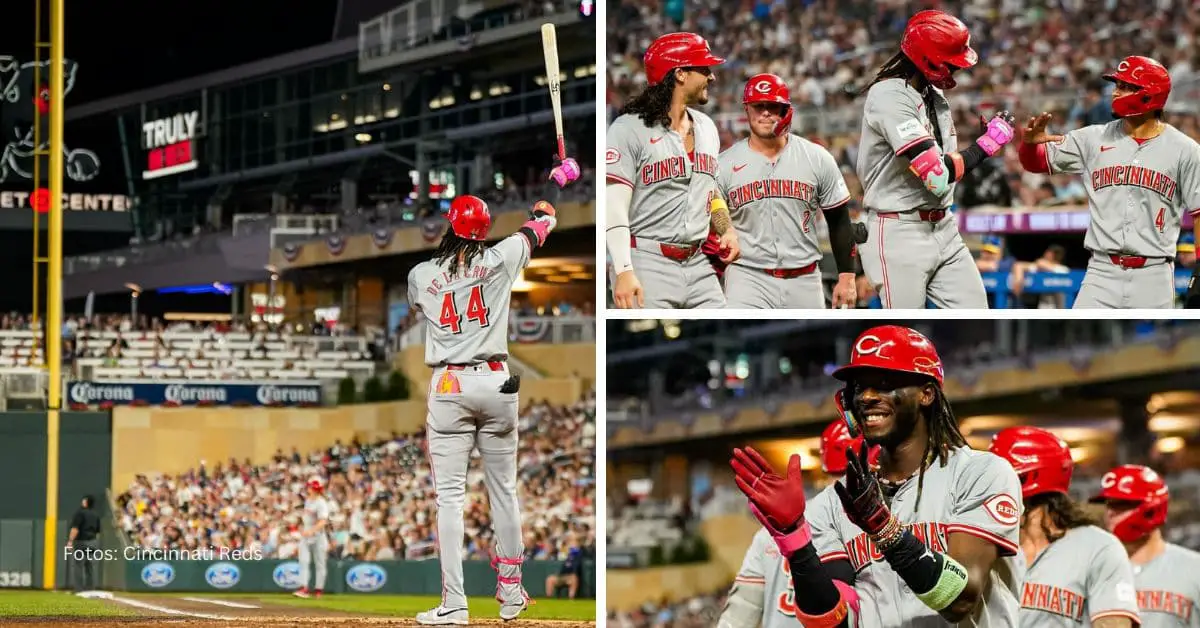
(1141, 485)
(315, 485)
(770, 88)
(677, 50)
(934, 41)
(834, 441)
(893, 348)
(469, 217)
(1041, 459)
(1152, 80)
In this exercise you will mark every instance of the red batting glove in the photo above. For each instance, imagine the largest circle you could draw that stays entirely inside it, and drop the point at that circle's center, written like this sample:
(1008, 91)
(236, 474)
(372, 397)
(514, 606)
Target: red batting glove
(777, 502)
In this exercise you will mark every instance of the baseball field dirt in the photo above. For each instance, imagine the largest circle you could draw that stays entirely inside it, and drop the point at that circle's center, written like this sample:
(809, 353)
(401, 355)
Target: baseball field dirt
(132, 610)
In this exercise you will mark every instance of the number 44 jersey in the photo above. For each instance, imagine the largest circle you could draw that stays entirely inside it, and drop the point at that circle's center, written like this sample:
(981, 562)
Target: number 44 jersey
(467, 313)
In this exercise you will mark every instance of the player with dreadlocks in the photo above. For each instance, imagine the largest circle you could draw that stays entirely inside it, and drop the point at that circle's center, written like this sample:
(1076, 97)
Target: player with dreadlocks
(909, 161)
(1078, 571)
(662, 194)
(464, 293)
(929, 538)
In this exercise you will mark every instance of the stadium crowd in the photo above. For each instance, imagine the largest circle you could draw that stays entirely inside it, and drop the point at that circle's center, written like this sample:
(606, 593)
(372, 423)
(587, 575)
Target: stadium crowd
(382, 497)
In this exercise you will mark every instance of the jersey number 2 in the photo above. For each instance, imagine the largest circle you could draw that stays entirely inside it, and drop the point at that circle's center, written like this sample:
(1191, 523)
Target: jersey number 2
(806, 221)
(1160, 219)
(477, 311)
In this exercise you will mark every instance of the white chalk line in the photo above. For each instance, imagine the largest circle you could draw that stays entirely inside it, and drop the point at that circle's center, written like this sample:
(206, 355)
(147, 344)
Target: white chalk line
(206, 600)
(170, 611)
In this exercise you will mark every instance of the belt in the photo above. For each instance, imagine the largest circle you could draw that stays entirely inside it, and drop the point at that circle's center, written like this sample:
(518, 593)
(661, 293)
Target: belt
(1133, 261)
(495, 365)
(677, 252)
(789, 273)
(926, 215)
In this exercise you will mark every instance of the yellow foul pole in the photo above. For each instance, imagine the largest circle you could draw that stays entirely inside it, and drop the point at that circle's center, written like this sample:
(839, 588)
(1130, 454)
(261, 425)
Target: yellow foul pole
(53, 325)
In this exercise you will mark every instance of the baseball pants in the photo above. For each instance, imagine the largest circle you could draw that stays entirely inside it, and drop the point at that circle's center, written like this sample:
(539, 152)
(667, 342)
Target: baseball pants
(314, 549)
(1108, 285)
(474, 414)
(669, 284)
(910, 260)
(752, 288)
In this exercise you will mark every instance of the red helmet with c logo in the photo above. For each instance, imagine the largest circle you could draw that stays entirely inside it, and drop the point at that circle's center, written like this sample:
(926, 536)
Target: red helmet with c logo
(1136, 484)
(1152, 80)
(1042, 460)
(770, 88)
(677, 50)
(893, 348)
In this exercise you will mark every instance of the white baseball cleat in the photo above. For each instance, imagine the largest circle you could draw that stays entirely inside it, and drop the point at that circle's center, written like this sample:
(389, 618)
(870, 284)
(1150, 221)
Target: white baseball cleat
(442, 616)
(509, 612)
(301, 592)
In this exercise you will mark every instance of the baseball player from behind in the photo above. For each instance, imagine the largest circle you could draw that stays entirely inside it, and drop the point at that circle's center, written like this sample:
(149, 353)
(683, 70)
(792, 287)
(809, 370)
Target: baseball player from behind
(1167, 576)
(930, 539)
(1141, 174)
(762, 593)
(1077, 572)
(464, 292)
(662, 197)
(314, 540)
(909, 162)
(778, 185)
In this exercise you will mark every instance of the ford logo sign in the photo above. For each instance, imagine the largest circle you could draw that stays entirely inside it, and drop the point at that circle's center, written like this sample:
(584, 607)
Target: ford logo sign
(366, 577)
(287, 575)
(222, 575)
(158, 574)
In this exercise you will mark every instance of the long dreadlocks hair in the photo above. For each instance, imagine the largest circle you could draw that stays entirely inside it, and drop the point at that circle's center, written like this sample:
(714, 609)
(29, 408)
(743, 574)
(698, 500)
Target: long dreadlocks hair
(1064, 512)
(944, 436)
(452, 245)
(900, 66)
(653, 105)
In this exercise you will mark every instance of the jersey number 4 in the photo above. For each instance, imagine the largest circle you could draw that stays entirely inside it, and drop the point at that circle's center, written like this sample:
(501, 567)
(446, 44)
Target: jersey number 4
(477, 310)
(1160, 219)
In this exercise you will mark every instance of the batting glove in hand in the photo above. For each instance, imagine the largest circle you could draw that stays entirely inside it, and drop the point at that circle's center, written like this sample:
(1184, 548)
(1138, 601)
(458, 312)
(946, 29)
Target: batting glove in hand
(1191, 299)
(998, 132)
(777, 502)
(861, 495)
(566, 172)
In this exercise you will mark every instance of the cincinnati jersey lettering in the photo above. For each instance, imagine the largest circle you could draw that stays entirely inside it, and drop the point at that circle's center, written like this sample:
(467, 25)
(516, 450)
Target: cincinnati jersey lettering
(1052, 599)
(1169, 602)
(770, 188)
(1136, 176)
(862, 550)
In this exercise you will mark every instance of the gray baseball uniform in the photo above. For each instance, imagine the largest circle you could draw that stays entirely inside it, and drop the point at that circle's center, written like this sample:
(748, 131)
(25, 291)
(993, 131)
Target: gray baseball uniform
(467, 344)
(669, 213)
(973, 494)
(1168, 589)
(913, 251)
(764, 565)
(314, 548)
(1137, 193)
(1081, 577)
(775, 206)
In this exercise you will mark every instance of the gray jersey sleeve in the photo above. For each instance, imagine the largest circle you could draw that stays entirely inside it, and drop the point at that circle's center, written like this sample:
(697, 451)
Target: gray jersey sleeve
(831, 185)
(1110, 584)
(623, 154)
(724, 165)
(822, 512)
(1189, 180)
(514, 251)
(987, 502)
(897, 114)
(1072, 154)
(414, 300)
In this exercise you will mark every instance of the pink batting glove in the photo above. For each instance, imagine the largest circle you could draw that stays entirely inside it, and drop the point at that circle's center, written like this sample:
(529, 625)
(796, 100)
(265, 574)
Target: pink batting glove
(998, 132)
(565, 172)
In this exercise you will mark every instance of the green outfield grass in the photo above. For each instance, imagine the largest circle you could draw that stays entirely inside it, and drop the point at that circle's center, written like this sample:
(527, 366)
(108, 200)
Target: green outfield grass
(51, 603)
(405, 605)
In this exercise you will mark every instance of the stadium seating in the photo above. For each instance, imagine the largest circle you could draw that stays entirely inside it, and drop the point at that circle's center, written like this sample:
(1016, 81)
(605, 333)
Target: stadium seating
(382, 493)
